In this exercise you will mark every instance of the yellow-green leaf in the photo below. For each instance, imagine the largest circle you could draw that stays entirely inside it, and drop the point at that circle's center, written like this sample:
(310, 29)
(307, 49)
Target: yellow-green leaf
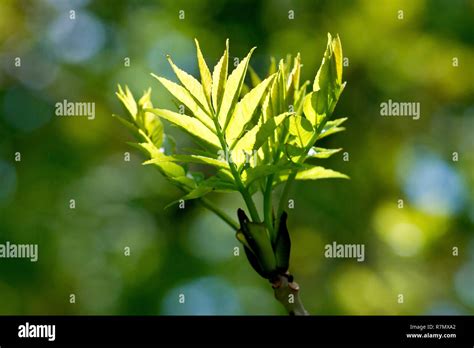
(319, 152)
(192, 85)
(332, 127)
(219, 78)
(232, 90)
(182, 95)
(164, 164)
(254, 78)
(337, 49)
(126, 97)
(190, 125)
(199, 159)
(206, 78)
(245, 109)
(302, 130)
(315, 173)
(254, 138)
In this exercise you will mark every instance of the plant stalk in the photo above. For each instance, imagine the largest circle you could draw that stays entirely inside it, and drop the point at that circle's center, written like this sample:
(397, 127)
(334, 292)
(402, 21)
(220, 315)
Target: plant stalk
(288, 294)
(267, 207)
(238, 180)
(284, 197)
(226, 218)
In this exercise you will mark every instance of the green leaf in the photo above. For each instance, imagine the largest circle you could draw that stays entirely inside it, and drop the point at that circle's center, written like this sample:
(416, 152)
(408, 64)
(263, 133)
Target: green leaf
(198, 192)
(315, 107)
(332, 127)
(277, 94)
(245, 109)
(337, 49)
(294, 153)
(255, 138)
(148, 149)
(207, 186)
(302, 130)
(328, 80)
(232, 90)
(183, 96)
(166, 165)
(322, 79)
(169, 145)
(272, 68)
(294, 77)
(315, 173)
(206, 78)
(192, 85)
(319, 152)
(254, 78)
(128, 101)
(190, 125)
(153, 128)
(254, 173)
(201, 160)
(219, 78)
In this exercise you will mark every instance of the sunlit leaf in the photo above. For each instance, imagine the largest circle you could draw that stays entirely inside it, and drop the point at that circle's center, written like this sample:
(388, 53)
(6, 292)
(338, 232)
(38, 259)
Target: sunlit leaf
(319, 152)
(190, 125)
(302, 131)
(183, 96)
(192, 85)
(232, 90)
(254, 138)
(219, 78)
(206, 78)
(254, 78)
(315, 173)
(332, 127)
(199, 159)
(245, 109)
(261, 171)
(126, 97)
(168, 167)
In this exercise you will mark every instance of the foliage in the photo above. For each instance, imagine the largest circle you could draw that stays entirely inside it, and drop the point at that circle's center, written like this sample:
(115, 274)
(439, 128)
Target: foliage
(255, 137)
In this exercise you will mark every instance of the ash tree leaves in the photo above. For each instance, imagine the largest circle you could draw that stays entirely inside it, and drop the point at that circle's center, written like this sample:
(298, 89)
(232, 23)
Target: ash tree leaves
(248, 134)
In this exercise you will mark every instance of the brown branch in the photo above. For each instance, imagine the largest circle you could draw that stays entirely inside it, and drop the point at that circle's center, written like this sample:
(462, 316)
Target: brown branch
(287, 292)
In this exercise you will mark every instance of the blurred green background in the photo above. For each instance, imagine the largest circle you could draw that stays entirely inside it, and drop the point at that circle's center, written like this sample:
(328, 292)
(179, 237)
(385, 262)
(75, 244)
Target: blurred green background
(409, 251)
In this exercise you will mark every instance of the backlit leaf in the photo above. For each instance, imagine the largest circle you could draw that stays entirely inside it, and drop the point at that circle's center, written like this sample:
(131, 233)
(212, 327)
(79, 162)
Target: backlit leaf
(232, 90)
(206, 78)
(219, 78)
(245, 109)
(192, 85)
(183, 96)
(190, 125)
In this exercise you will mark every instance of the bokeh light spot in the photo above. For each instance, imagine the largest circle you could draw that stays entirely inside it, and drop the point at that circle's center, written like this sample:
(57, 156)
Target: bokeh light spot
(76, 40)
(25, 111)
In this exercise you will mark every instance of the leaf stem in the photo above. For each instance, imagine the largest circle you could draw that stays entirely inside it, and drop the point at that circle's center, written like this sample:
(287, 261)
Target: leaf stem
(267, 206)
(238, 180)
(284, 197)
(226, 218)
